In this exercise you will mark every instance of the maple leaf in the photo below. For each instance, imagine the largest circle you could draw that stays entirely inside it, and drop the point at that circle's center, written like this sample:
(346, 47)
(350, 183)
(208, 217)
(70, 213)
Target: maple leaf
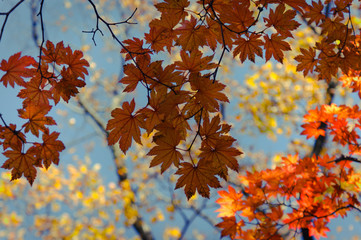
(274, 47)
(174, 8)
(36, 118)
(34, 93)
(166, 151)
(138, 74)
(77, 65)
(124, 126)
(21, 164)
(134, 47)
(307, 61)
(230, 202)
(159, 37)
(207, 91)
(229, 226)
(248, 48)
(67, 86)
(220, 156)
(53, 54)
(239, 16)
(313, 130)
(211, 130)
(16, 69)
(48, 151)
(12, 137)
(194, 62)
(151, 113)
(283, 21)
(191, 36)
(314, 13)
(199, 178)
(298, 5)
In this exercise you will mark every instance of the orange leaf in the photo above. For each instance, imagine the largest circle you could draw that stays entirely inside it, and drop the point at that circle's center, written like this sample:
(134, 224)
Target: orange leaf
(124, 126)
(166, 152)
(283, 21)
(199, 178)
(220, 156)
(191, 36)
(210, 130)
(248, 48)
(48, 151)
(175, 8)
(76, 63)
(53, 54)
(37, 119)
(307, 61)
(151, 114)
(274, 47)
(229, 227)
(34, 93)
(312, 130)
(315, 13)
(194, 62)
(16, 69)
(67, 86)
(12, 137)
(207, 91)
(21, 163)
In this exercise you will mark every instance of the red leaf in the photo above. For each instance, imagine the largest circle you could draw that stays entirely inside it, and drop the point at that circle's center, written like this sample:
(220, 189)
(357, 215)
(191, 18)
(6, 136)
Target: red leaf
(16, 69)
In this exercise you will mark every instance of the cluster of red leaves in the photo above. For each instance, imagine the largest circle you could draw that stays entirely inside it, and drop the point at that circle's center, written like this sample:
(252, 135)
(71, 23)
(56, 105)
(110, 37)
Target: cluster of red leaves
(342, 122)
(339, 47)
(304, 192)
(301, 193)
(39, 85)
(188, 90)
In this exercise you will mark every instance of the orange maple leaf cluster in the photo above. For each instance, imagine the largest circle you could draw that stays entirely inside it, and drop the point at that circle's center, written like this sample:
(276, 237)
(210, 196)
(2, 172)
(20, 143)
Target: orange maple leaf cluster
(44, 85)
(301, 193)
(186, 90)
(339, 47)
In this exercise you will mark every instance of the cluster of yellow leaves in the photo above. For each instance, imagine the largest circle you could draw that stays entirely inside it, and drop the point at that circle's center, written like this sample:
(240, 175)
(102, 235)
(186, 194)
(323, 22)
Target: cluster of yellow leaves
(76, 206)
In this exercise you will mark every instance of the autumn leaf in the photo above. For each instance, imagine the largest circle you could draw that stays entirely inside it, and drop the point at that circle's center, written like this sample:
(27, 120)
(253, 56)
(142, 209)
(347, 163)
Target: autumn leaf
(151, 113)
(313, 130)
(52, 53)
(221, 156)
(194, 62)
(307, 61)
(191, 36)
(77, 64)
(229, 226)
(314, 13)
(283, 21)
(211, 130)
(67, 86)
(21, 164)
(207, 91)
(199, 178)
(248, 48)
(37, 120)
(124, 126)
(173, 8)
(12, 138)
(230, 202)
(48, 151)
(16, 69)
(34, 93)
(134, 48)
(274, 47)
(165, 152)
